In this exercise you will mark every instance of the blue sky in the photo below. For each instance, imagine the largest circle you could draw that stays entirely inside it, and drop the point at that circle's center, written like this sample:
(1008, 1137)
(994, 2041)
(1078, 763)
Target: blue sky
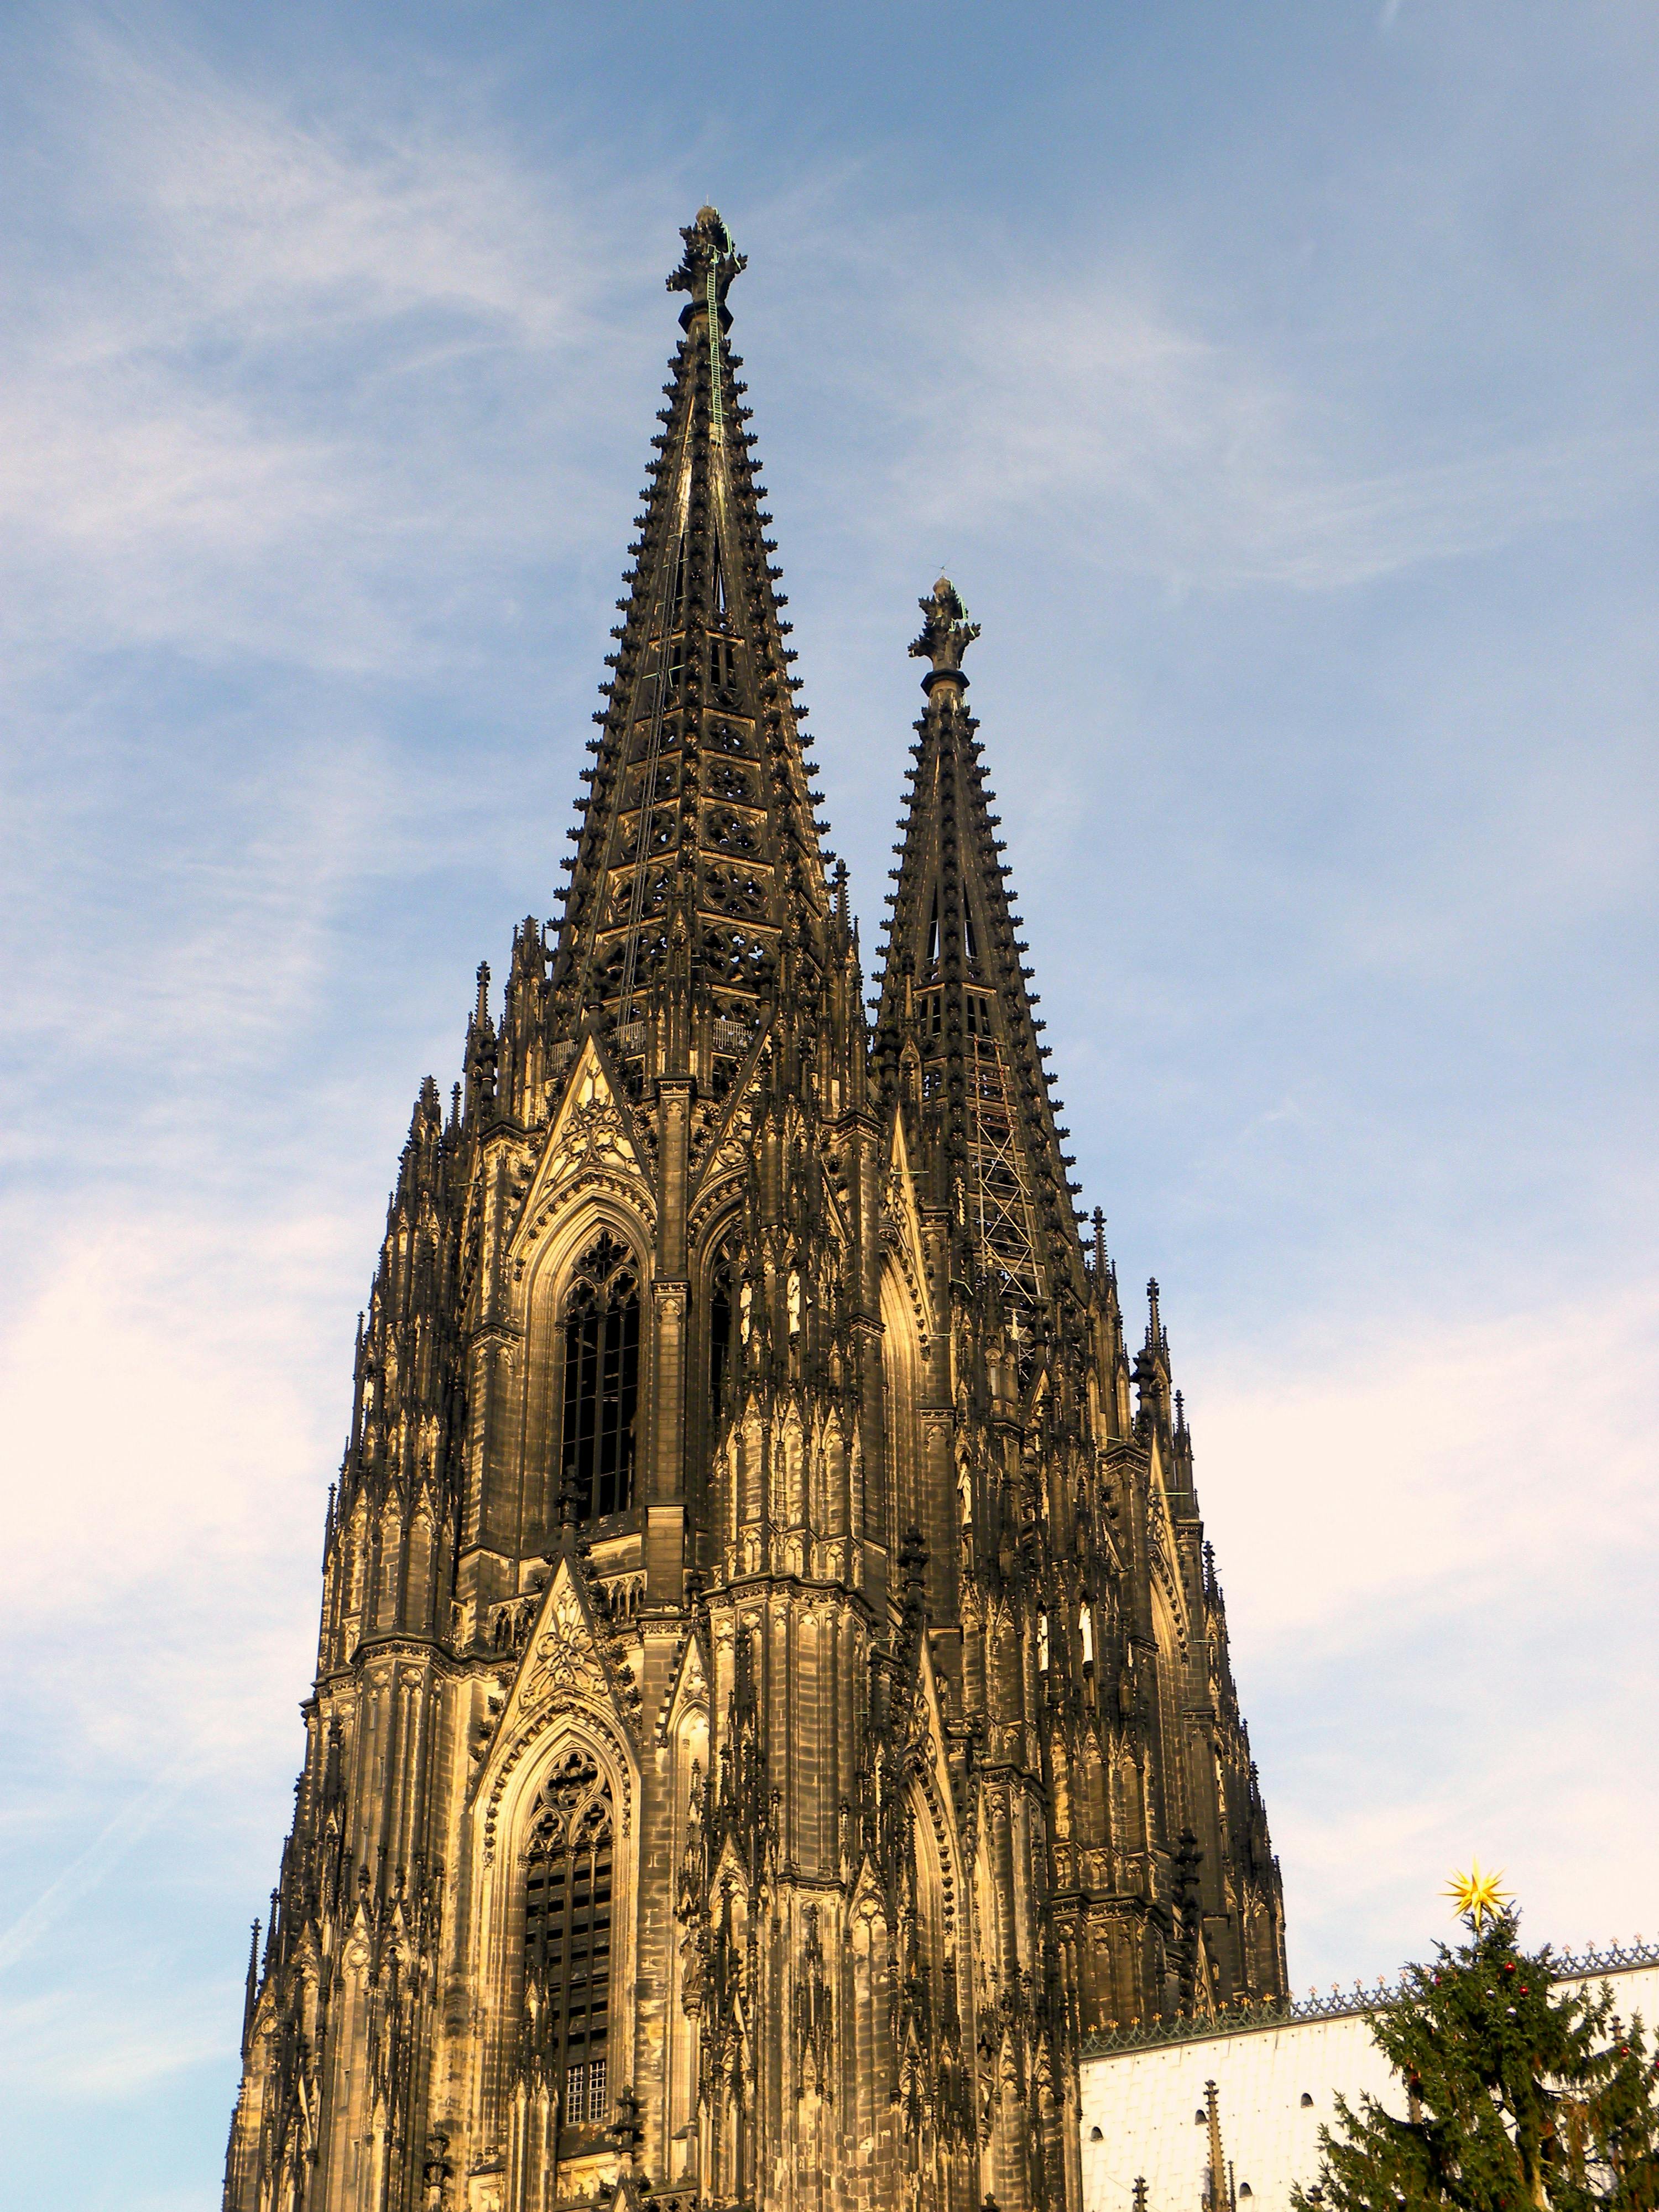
(1279, 386)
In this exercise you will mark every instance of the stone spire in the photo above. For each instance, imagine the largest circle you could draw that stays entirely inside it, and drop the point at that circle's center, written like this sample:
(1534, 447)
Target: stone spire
(954, 1003)
(697, 827)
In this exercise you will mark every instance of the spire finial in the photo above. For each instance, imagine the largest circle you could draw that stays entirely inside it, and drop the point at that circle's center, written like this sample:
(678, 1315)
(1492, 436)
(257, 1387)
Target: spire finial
(251, 1996)
(946, 634)
(708, 264)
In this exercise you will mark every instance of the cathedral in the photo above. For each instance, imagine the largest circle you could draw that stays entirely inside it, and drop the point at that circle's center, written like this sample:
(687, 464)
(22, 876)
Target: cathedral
(773, 1698)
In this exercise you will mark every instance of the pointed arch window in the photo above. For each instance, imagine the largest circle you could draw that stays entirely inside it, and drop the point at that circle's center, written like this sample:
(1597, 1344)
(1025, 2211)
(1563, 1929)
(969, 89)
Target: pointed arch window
(567, 1936)
(601, 1380)
(721, 1312)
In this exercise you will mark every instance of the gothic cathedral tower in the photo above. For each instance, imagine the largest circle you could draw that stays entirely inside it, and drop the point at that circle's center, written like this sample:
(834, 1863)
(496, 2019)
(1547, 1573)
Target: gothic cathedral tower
(773, 1698)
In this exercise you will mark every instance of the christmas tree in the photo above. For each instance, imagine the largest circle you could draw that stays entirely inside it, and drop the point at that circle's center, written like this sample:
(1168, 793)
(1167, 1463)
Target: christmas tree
(1518, 2093)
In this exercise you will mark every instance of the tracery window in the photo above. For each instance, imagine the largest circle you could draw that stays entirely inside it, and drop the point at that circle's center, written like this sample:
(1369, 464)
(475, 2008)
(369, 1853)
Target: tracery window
(566, 1935)
(601, 1380)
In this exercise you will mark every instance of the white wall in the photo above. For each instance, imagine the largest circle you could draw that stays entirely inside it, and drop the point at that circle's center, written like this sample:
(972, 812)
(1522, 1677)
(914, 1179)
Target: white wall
(1143, 2103)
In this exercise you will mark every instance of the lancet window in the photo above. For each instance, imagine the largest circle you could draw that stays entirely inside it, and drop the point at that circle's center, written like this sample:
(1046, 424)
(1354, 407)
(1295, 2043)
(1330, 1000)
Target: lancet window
(601, 1380)
(721, 1313)
(567, 1936)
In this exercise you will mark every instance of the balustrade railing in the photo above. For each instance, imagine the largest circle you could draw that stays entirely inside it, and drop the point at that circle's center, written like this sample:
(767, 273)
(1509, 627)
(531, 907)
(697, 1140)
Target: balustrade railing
(1281, 2012)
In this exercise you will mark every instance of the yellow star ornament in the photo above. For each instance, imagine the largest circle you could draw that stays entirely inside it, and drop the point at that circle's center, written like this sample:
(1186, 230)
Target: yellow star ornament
(1477, 1895)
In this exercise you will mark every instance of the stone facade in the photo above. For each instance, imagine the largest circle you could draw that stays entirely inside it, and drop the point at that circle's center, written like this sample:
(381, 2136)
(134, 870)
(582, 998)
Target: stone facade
(772, 1699)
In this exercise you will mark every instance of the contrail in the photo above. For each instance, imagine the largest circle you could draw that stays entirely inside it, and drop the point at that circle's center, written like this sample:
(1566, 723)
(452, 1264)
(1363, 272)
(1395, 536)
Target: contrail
(87, 1871)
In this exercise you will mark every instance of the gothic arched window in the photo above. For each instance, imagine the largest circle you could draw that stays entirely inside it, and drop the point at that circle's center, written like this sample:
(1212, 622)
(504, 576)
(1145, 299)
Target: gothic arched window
(720, 1306)
(566, 1935)
(601, 1380)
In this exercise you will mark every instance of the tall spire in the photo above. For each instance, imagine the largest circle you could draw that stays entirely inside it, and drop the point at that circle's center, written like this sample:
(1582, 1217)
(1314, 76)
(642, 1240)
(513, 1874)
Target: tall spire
(697, 829)
(953, 986)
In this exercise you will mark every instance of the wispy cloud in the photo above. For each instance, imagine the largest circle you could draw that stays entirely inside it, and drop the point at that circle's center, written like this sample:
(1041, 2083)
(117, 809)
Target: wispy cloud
(258, 427)
(1147, 439)
(1451, 1459)
(57, 2051)
(1444, 1516)
(195, 1439)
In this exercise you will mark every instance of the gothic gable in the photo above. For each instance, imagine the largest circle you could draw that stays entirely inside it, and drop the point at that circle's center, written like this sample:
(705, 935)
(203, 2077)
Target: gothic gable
(688, 1687)
(592, 1144)
(565, 1671)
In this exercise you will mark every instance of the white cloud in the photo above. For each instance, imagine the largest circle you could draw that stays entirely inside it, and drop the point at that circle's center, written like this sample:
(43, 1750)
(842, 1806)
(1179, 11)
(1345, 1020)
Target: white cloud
(1436, 1555)
(1435, 1465)
(160, 1392)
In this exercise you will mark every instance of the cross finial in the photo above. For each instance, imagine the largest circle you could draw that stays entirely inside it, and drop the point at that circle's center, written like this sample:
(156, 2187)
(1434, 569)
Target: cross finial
(946, 633)
(709, 262)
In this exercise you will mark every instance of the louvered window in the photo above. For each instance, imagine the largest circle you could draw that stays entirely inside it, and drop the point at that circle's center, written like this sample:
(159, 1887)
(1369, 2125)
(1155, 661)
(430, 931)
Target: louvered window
(567, 1937)
(601, 1381)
